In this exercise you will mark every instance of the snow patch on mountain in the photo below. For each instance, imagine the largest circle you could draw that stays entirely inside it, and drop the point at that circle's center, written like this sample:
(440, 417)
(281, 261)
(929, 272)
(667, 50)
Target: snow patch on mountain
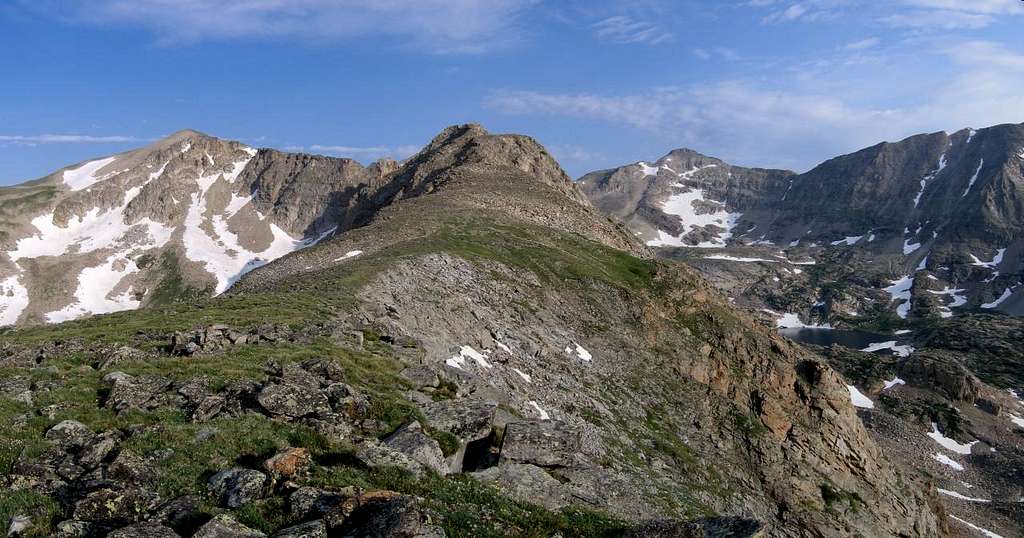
(996, 260)
(973, 178)
(900, 291)
(858, 399)
(85, 176)
(950, 444)
(13, 299)
(902, 351)
(95, 287)
(946, 460)
(1007, 293)
(682, 206)
(958, 300)
(849, 240)
(792, 321)
(986, 533)
(726, 257)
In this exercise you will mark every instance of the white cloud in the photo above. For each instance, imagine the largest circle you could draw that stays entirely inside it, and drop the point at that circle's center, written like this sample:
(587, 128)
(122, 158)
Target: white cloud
(916, 14)
(863, 44)
(1010, 7)
(796, 122)
(361, 152)
(32, 140)
(438, 25)
(624, 29)
(938, 20)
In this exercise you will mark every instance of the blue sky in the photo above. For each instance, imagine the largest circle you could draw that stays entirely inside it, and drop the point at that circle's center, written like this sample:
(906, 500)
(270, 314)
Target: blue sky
(778, 83)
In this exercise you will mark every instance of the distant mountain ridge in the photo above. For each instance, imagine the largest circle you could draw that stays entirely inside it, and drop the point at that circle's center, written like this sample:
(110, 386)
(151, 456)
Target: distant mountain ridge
(952, 204)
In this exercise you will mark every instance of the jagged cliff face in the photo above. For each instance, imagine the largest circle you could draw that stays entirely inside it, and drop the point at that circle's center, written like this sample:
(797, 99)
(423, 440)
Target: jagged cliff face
(947, 204)
(527, 330)
(186, 216)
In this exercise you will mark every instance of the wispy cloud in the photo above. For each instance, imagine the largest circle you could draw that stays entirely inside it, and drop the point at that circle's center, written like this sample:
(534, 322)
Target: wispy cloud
(796, 122)
(440, 26)
(359, 152)
(34, 140)
(863, 44)
(625, 29)
(915, 14)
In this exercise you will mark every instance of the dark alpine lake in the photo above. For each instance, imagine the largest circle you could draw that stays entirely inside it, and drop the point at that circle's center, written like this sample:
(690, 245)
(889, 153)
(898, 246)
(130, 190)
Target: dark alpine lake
(843, 337)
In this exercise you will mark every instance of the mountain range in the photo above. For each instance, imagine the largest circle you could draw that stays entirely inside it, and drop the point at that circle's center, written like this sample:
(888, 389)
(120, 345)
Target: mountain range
(470, 343)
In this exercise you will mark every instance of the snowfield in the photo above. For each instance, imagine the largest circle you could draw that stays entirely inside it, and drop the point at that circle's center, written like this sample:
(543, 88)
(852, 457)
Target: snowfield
(859, 399)
(950, 444)
(85, 176)
(681, 205)
(900, 291)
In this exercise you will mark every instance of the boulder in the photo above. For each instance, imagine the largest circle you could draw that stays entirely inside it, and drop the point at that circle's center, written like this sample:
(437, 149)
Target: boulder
(374, 455)
(288, 462)
(70, 434)
(335, 427)
(311, 529)
(98, 449)
(17, 388)
(109, 506)
(181, 513)
(293, 401)
(72, 528)
(144, 530)
(307, 502)
(131, 392)
(468, 419)
(237, 487)
(527, 483)
(129, 467)
(225, 526)
(383, 514)
(413, 442)
(420, 377)
(545, 443)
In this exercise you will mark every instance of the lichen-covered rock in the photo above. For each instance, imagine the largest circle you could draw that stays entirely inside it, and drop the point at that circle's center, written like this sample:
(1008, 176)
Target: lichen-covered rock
(383, 513)
(311, 529)
(293, 401)
(135, 392)
(113, 506)
(468, 419)
(288, 462)
(225, 526)
(144, 530)
(527, 483)
(413, 442)
(70, 434)
(307, 502)
(546, 443)
(237, 487)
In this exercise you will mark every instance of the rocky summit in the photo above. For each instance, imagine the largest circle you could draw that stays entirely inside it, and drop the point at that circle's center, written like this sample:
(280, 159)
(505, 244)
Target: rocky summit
(463, 344)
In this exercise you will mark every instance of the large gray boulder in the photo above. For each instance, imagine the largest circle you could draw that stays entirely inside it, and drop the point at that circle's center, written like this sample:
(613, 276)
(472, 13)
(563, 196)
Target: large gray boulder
(237, 487)
(293, 401)
(546, 443)
(413, 442)
(70, 434)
